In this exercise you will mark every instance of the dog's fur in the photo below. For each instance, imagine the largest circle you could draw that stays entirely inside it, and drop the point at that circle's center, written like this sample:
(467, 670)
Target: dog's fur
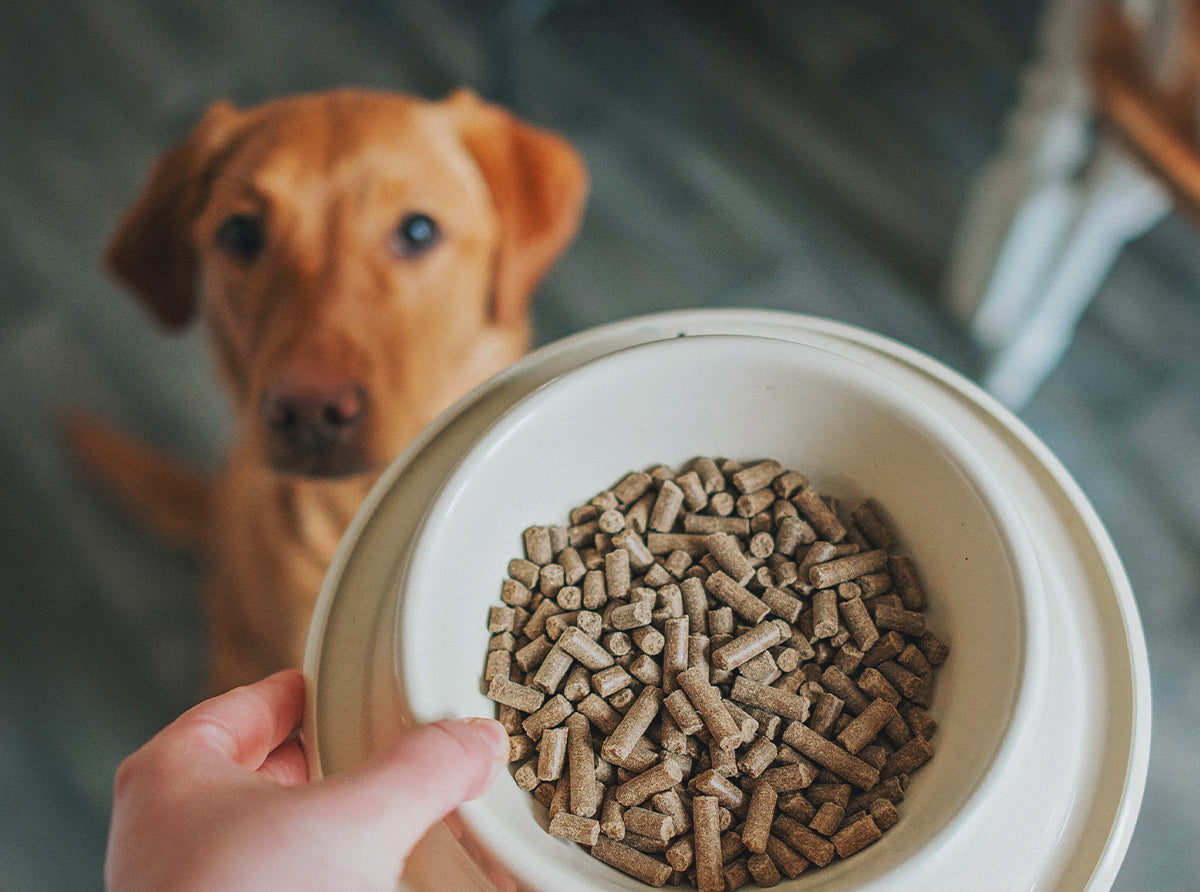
(341, 321)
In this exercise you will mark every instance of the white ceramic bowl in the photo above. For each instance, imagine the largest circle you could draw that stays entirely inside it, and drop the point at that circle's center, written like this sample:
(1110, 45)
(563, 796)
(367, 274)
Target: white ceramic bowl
(854, 432)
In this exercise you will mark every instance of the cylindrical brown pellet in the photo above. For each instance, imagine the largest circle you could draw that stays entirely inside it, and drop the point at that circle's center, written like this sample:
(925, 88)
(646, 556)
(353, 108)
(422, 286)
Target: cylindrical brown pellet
(706, 698)
(858, 621)
(537, 545)
(526, 775)
(824, 613)
(694, 496)
(745, 647)
(599, 713)
(812, 846)
(646, 822)
(595, 593)
(510, 693)
(758, 757)
(728, 591)
(729, 555)
(754, 503)
(536, 624)
(759, 816)
(683, 712)
(681, 852)
(872, 682)
(581, 766)
(630, 861)
(578, 684)
(862, 729)
(709, 473)
(675, 649)
(790, 777)
(636, 722)
(499, 662)
(787, 859)
(669, 803)
(706, 524)
(640, 557)
(757, 476)
(550, 714)
(648, 639)
(691, 545)
(908, 758)
(906, 622)
(608, 681)
(827, 819)
(791, 706)
(583, 648)
(585, 831)
(813, 508)
(782, 604)
(632, 615)
(729, 794)
(871, 525)
(666, 507)
(831, 573)
(641, 787)
(884, 814)
(515, 593)
(632, 487)
(553, 670)
(829, 755)
(531, 656)
(524, 571)
(825, 713)
(761, 668)
(706, 842)
(906, 581)
(857, 836)
(695, 605)
(612, 820)
(617, 573)
(840, 684)
(763, 870)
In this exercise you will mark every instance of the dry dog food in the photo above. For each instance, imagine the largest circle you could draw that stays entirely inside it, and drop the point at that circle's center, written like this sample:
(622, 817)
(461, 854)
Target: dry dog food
(715, 675)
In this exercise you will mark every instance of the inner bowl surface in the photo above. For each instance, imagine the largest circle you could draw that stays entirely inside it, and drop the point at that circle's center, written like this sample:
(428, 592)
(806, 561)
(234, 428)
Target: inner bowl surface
(852, 431)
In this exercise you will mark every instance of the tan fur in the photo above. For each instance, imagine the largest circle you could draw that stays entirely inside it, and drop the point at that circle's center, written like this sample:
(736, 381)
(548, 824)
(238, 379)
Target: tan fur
(331, 175)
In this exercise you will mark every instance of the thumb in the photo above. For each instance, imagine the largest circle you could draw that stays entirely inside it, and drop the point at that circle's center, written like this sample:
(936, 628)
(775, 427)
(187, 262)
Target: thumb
(426, 774)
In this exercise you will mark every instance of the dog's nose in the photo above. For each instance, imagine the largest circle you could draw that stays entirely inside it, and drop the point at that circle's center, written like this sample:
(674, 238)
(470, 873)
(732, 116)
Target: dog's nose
(315, 425)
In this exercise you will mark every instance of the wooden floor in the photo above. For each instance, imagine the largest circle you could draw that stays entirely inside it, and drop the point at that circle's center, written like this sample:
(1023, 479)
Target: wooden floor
(811, 155)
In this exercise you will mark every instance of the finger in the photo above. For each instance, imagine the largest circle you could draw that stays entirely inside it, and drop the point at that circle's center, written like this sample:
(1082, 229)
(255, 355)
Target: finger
(286, 765)
(426, 775)
(244, 725)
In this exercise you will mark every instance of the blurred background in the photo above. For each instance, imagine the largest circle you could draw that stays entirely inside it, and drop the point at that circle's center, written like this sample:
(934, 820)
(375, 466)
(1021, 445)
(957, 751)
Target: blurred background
(810, 155)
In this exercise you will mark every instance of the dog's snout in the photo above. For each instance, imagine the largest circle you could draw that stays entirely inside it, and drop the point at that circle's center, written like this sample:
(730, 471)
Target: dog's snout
(315, 425)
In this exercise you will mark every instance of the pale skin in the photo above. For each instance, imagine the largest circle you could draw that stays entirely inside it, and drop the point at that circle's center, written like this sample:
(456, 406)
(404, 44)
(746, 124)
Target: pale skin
(221, 799)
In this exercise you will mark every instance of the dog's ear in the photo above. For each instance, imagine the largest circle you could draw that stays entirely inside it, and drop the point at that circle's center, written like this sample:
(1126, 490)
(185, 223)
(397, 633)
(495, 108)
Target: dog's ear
(539, 185)
(151, 250)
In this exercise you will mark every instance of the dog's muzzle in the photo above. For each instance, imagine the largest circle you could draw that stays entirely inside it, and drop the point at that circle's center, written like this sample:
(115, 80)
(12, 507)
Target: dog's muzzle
(316, 431)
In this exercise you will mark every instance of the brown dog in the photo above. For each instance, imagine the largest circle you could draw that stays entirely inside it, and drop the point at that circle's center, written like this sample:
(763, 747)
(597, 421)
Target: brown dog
(360, 260)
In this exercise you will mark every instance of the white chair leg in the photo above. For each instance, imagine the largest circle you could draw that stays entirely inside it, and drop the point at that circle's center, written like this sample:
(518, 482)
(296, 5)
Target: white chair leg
(1115, 202)
(1023, 203)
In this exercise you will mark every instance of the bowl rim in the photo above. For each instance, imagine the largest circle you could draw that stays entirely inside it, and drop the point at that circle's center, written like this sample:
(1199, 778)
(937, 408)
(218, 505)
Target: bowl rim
(348, 716)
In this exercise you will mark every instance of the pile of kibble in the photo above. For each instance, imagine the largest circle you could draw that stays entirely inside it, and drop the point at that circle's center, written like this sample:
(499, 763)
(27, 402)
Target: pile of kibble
(715, 673)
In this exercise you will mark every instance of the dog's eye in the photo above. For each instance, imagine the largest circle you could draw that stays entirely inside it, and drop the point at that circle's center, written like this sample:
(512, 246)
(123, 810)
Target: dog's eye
(241, 236)
(416, 234)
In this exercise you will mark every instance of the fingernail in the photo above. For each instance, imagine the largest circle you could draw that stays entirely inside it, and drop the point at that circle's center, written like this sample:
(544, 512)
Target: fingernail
(497, 738)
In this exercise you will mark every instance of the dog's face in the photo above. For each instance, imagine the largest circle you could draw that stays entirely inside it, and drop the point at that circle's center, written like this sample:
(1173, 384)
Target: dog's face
(361, 260)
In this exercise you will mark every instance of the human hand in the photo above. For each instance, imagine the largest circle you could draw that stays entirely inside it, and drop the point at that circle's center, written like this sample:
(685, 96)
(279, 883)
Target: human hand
(219, 799)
